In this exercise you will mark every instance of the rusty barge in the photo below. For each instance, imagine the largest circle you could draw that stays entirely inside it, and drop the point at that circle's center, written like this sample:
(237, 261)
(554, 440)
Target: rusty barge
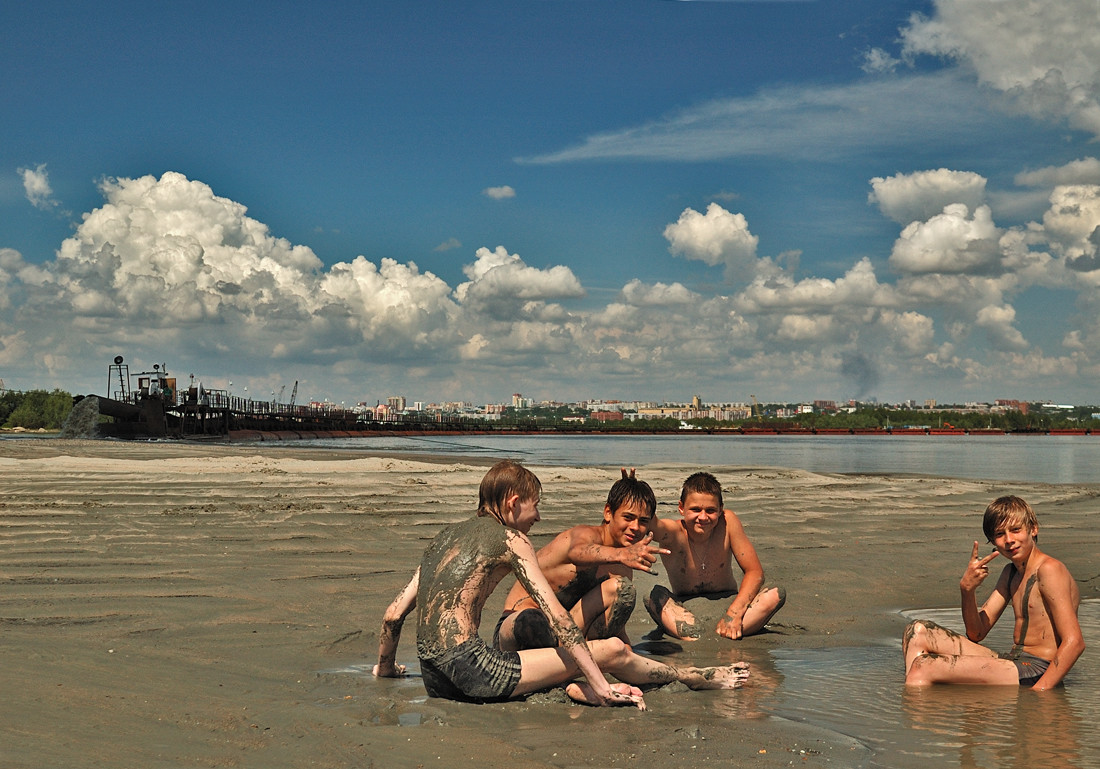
(149, 404)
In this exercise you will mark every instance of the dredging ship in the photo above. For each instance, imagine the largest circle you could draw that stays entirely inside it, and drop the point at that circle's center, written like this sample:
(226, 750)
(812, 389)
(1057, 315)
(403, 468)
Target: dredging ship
(149, 404)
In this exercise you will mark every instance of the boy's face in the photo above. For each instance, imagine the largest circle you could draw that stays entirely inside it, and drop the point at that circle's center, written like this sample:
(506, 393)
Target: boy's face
(628, 524)
(1015, 540)
(526, 513)
(700, 511)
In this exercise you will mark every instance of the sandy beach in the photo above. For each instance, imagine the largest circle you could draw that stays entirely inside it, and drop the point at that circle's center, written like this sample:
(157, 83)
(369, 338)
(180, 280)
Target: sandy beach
(208, 605)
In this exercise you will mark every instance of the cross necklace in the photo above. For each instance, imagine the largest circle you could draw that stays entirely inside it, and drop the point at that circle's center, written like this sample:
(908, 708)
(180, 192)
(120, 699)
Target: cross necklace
(702, 563)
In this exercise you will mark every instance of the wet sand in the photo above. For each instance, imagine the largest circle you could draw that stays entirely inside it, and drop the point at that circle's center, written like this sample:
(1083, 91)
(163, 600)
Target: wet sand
(169, 604)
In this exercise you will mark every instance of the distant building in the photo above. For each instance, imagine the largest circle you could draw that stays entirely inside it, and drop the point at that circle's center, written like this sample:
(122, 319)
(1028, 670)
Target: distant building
(606, 416)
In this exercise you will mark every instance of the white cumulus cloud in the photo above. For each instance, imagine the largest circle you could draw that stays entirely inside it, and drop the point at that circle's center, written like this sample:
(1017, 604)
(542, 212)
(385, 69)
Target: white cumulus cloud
(1072, 226)
(918, 196)
(167, 269)
(952, 242)
(499, 193)
(1083, 171)
(36, 186)
(998, 325)
(1044, 55)
(502, 284)
(658, 294)
(716, 237)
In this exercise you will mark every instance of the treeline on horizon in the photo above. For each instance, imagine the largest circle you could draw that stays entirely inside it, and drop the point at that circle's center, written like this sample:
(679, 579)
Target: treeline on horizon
(864, 418)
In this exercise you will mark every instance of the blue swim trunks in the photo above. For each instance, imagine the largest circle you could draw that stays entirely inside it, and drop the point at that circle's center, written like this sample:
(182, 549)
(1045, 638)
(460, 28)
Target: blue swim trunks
(471, 672)
(1030, 667)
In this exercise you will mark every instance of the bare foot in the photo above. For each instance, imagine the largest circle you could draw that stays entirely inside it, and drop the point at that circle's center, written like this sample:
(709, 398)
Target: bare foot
(581, 692)
(724, 677)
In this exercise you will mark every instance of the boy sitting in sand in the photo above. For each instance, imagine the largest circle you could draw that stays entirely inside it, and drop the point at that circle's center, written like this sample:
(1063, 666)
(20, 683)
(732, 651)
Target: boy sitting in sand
(590, 569)
(1046, 639)
(701, 547)
(460, 569)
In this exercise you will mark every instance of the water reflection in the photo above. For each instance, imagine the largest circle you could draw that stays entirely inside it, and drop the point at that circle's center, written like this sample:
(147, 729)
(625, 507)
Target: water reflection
(860, 692)
(751, 700)
(998, 725)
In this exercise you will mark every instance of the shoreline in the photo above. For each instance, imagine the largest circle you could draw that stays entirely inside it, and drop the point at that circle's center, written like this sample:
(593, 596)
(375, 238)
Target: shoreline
(199, 603)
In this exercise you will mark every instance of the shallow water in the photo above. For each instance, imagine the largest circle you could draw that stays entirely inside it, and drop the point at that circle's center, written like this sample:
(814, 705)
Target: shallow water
(860, 692)
(1042, 458)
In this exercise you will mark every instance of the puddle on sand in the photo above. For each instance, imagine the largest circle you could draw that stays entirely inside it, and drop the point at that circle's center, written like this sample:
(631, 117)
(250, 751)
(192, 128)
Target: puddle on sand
(860, 692)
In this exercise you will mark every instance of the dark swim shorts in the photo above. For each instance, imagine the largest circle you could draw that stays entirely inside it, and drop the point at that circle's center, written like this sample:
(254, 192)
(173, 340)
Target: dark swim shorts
(471, 672)
(1030, 667)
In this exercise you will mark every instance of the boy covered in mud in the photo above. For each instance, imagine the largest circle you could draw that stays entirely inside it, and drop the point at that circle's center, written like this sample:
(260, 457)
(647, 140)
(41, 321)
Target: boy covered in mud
(702, 546)
(590, 570)
(460, 569)
(1046, 639)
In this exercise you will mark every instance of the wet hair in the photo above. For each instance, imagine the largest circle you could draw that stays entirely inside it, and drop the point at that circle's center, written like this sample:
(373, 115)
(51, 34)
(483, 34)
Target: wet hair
(504, 479)
(630, 490)
(1007, 510)
(702, 483)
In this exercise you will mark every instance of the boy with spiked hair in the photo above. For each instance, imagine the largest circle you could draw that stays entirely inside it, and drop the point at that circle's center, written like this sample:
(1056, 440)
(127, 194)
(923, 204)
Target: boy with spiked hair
(590, 569)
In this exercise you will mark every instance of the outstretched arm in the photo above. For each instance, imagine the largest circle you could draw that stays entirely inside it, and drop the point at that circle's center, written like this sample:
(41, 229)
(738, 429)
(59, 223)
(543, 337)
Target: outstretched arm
(392, 621)
(738, 543)
(585, 550)
(1059, 594)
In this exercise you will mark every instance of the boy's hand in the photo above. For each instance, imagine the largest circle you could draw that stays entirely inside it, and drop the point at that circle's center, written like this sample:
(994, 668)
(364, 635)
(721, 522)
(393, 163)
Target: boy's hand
(976, 570)
(625, 694)
(643, 554)
(730, 627)
(388, 671)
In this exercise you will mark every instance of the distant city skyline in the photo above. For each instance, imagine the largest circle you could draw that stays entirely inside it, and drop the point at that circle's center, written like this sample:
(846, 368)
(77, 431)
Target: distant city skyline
(885, 199)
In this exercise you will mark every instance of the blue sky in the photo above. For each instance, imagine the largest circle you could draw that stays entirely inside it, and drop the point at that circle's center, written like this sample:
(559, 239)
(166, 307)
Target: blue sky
(569, 199)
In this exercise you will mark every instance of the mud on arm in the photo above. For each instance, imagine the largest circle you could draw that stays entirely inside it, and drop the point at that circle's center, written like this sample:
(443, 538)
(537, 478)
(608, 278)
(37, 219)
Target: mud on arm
(390, 636)
(526, 566)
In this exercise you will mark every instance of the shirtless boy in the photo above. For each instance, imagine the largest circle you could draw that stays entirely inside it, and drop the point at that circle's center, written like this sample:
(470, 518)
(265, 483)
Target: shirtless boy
(702, 545)
(590, 570)
(459, 571)
(1046, 639)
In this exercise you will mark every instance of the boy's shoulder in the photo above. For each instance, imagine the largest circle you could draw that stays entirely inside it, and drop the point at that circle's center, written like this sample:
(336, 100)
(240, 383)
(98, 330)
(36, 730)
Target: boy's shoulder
(486, 532)
(668, 527)
(1050, 566)
(580, 534)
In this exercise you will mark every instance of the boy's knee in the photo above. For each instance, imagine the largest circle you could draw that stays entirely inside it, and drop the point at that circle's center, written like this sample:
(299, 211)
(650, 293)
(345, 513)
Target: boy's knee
(771, 599)
(619, 598)
(656, 600)
(659, 594)
(623, 594)
(919, 670)
(614, 651)
(917, 630)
